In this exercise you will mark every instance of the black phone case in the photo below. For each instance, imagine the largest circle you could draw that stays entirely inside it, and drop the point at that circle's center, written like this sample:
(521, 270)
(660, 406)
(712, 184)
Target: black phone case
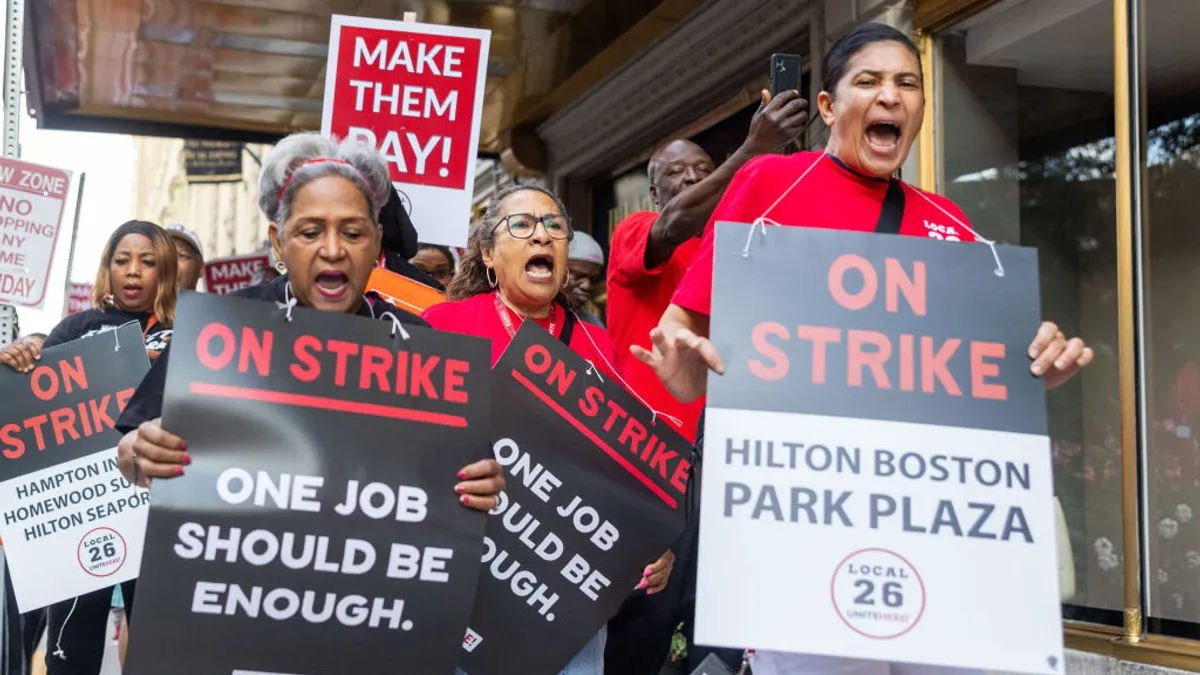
(786, 71)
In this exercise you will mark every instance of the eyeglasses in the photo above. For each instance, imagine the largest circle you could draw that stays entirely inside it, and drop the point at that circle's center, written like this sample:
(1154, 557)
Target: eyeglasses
(522, 225)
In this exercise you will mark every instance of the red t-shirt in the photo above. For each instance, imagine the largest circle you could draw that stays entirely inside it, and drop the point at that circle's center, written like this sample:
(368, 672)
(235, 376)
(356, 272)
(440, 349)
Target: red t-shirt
(637, 298)
(829, 195)
(479, 316)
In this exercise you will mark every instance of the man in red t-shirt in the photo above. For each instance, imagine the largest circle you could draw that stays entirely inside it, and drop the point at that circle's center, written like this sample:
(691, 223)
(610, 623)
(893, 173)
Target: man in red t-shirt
(649, 253)
(651, 250)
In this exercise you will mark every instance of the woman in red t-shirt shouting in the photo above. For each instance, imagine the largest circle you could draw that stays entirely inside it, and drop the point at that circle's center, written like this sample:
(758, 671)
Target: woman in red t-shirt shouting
(873, 104)
(514, 269)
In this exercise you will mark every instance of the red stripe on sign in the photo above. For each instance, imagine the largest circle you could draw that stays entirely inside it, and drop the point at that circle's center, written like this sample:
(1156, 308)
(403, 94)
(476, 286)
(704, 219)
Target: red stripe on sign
(620, 459)
(325, 403)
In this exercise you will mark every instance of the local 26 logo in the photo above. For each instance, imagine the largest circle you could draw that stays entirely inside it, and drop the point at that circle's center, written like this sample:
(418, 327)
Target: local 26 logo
(102, 552)
(878, 594)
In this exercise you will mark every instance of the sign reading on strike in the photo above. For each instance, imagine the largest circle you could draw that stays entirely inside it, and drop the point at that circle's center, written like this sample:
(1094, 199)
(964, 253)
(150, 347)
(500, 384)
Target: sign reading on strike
(415, 92)
(597, 490)
(226, 275)
(880, 432)
(31, 206)
(79, 297)
(71, 524)
(319, 508)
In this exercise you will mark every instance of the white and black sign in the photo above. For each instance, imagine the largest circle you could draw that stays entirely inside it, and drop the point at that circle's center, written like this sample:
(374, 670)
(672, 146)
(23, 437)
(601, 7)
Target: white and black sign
(596, 492)
(71, 524)
(876, 433)
(318, 524)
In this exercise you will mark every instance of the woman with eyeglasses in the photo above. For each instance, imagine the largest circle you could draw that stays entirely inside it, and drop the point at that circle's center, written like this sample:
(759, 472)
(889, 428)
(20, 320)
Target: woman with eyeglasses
(515, 269)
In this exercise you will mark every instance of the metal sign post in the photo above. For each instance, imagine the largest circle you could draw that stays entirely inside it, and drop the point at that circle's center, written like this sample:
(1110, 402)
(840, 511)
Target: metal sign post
(14, 39)
(74, 237)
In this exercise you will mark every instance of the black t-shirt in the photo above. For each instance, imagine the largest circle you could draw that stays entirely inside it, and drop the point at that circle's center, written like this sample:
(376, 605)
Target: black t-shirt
(146, 403)
(95, 321)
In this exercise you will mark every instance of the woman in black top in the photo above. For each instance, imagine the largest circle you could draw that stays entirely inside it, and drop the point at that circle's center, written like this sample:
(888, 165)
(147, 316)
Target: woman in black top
(135, 282)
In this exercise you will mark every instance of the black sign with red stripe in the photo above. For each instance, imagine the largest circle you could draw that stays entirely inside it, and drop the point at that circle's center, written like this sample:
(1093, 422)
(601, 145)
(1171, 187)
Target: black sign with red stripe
(597, 490)
(318, 518)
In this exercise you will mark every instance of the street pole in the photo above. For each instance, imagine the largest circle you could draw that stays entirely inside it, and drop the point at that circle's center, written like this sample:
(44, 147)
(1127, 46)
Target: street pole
(74, 238)
(14, 39)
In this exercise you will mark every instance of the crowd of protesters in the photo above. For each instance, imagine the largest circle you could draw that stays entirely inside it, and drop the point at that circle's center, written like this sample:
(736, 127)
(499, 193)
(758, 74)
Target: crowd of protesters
(334, 217)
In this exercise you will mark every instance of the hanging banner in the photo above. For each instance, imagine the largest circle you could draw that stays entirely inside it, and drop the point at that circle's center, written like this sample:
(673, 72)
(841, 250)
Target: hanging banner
(415, 92)
(226, 275)
(212, 161)
(32, 199)
(880, 433)
(71, 524)
(79, 297)
(319, 508)
(596, 492)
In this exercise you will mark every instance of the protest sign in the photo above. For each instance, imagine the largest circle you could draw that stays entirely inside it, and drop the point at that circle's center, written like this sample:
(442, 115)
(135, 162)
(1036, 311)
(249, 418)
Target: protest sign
(226, 275)
(596, 492)
(31, 205)
(415, 92)
(877, 432)
(71, 523)
(319, 508)
(79, 297)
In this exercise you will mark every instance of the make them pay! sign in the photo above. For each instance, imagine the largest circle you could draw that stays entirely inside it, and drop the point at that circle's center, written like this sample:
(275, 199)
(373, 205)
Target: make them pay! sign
(415, 92)
(31, 205)
(877, 469)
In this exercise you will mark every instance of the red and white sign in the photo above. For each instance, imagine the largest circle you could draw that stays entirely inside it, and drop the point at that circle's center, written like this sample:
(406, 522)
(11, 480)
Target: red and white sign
(414, 91)
(79, 297)
(32, 198)
(226, 275)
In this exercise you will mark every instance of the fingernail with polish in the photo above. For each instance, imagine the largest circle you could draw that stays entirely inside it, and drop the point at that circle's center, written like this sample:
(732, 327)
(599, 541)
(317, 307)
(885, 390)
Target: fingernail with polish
(642, 585)
(462, 475)
(465, 500)
(179, 471)
(459, 489)
(187, 460)
(183, 447)
(648, 572)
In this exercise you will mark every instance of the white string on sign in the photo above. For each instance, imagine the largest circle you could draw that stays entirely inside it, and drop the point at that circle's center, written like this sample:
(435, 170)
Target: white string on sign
(762, 221)
(397, 327)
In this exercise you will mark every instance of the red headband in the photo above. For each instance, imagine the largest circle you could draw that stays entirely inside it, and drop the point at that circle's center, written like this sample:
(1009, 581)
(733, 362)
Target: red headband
(319, 160)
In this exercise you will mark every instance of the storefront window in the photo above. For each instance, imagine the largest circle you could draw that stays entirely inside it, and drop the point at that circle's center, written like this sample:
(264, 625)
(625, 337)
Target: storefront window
(1173, 332)
(1026, 136)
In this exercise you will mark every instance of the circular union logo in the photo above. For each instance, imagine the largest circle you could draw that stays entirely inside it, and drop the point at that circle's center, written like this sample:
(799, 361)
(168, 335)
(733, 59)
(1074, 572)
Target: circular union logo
(102, 552)
(878, 593)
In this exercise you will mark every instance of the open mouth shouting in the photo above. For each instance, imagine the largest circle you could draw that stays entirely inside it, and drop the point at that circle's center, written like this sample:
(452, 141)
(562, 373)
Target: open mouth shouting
(883, 137)
(132, 291)
(332, 284)
(539, 268)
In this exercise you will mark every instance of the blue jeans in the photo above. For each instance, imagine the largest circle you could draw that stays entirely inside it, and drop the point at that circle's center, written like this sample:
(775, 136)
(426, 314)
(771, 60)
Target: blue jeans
(589, 660)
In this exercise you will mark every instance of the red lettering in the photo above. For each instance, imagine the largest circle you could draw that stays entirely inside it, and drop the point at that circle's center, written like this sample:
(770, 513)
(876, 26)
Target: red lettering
(615, 411)
(84, 419)
(16, 446)
(37, 421)
(820, 337)
(258, 350)
(780, 365)
(309, 368)
(934, 365)
(590, 403)
(376, 362)
(207, 334)
(981, 369)
(857, 357)
(538, 359)
(402, 373)
(456, 370)
(660, 459)
(898, 282)
(123, 397)
(906, 363)
(343, 350)
(73, 374)
(563, 376)
(100, 414)
(40, 390)
(650, 447)
(837, 273)
(421, 371)
(63, 421)
(679, 478)
(633, 434)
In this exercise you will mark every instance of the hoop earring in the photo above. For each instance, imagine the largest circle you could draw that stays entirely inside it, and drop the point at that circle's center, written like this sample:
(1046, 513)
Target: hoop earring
(109, 299)
(491, 276)
(280, 267)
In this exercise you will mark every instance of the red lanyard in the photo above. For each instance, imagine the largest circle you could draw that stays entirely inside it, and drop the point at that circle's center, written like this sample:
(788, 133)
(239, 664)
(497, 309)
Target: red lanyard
(508, 324)
(149, 324)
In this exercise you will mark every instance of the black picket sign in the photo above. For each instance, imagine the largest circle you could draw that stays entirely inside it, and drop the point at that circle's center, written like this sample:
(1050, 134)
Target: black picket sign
(317, 529)
(596, 492)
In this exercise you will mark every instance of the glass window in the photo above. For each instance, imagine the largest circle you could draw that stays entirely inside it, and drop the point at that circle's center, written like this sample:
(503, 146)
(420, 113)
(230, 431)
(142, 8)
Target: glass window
(1025, 134)
(1172, 478)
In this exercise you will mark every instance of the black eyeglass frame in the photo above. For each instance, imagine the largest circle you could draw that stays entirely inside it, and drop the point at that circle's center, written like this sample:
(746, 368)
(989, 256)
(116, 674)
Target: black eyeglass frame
(507, 223)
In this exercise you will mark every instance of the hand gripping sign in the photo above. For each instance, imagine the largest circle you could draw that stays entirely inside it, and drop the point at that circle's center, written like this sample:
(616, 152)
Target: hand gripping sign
(877, 473)
(319, 510)
(71, 523)
(31, 205)
(597, 490)
(415, 92)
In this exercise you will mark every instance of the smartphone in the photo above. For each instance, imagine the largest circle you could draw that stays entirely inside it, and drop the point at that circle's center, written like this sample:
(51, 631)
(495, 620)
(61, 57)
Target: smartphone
(786, 71)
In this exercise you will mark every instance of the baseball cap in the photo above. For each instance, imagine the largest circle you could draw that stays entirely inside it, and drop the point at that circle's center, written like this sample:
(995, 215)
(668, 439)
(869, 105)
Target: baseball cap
(178, 231)
(585, 248)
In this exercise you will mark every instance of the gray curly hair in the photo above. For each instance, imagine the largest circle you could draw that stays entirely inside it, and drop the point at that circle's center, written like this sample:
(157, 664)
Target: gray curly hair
(364, 167)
